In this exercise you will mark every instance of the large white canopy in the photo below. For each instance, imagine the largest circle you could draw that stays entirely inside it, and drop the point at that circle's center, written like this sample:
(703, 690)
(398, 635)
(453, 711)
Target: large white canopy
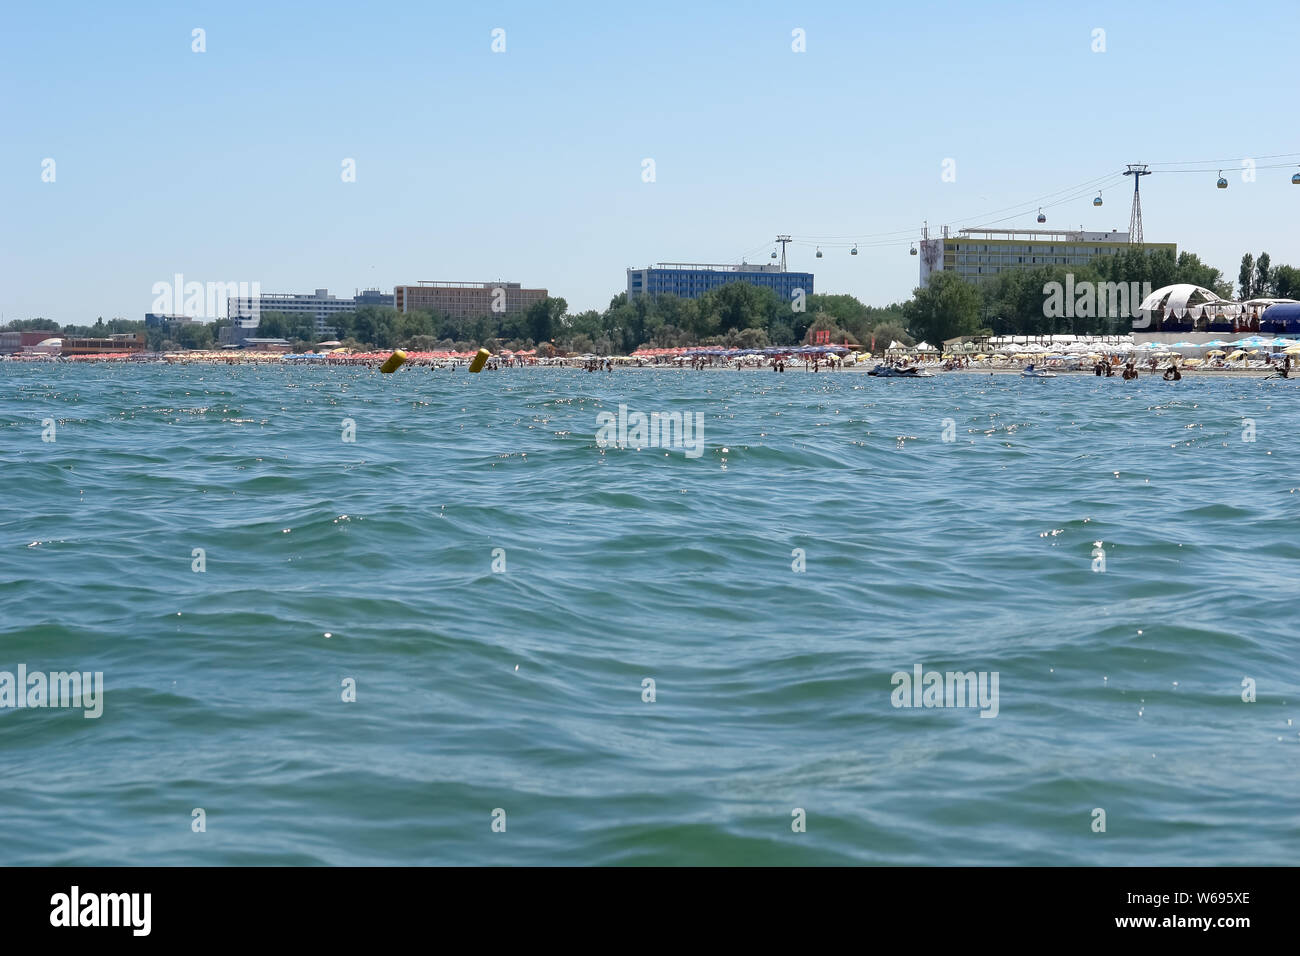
(1185, 299)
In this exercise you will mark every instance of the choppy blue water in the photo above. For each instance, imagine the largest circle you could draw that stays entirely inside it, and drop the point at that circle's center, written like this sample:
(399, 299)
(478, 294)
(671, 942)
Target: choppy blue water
(522, 690)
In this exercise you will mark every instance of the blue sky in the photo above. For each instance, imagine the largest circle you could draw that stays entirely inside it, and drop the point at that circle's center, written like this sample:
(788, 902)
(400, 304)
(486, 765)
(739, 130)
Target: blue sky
(527, 165)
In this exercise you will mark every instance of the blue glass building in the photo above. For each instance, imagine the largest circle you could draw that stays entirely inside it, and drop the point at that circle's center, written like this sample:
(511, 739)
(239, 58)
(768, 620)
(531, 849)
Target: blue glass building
(691, 280)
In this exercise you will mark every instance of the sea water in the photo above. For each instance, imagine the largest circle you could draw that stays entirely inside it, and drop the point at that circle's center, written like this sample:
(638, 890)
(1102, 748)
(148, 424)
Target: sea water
(428, 618)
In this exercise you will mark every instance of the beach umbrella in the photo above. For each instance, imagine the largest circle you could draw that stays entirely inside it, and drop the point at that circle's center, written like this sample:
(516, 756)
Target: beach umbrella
(1239, 354)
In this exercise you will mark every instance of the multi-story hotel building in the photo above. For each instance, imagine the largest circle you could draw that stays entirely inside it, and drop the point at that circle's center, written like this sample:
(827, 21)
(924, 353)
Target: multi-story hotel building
(466, 300)
(688, 280)
(320, 305)
(373, 297)
(977, 255)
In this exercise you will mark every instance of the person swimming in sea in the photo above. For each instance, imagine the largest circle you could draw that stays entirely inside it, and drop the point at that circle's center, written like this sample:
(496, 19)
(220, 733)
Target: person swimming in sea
(1130, 371)
(1172, 374)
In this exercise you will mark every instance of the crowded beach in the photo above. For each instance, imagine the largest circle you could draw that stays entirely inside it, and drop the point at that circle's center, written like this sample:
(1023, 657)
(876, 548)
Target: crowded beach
(1099, 355)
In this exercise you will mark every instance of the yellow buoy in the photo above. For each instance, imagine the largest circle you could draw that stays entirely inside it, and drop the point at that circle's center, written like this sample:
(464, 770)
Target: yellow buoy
(393, 362)
(476, 365)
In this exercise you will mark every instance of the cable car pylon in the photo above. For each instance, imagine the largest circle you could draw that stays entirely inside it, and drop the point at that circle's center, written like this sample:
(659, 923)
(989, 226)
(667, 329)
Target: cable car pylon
(1137, 171)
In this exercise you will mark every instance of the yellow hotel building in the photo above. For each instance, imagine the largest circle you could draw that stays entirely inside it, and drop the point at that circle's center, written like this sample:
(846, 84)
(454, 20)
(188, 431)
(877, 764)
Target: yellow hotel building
(977, 255)
(466, 300)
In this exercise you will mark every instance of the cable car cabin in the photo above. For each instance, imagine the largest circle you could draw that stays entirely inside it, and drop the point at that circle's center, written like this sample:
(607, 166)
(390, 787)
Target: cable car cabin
(1097, 201)
(1041, 217)
(1295, 179)
(854, 250)
(1222, 183)
(774, 254)
(914, 250)
(819, 253)
(1282, 319)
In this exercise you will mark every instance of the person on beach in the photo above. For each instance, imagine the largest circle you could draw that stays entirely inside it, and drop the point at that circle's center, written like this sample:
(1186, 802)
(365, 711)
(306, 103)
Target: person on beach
(1098, 369)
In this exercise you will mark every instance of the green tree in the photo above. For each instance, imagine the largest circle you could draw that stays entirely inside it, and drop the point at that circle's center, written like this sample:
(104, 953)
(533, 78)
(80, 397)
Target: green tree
(1286, 282)
(947, 308)
(1263, 277)
(31, 325)
(823, 322)
(542, 318)
(1192, 269)
(886, 332)
(1246, 277)
(740, 305)
(194, 335)
(376, 325)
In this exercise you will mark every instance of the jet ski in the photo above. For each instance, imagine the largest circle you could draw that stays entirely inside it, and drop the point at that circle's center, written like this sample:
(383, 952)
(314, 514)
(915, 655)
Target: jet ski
(891, 371)
(1030, 372)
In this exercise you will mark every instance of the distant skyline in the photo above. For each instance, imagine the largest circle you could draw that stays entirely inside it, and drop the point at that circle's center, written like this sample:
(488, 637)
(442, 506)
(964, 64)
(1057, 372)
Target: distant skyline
(528, 165)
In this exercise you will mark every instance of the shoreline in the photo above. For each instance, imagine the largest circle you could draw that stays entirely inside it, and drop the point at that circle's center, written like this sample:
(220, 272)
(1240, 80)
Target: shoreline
(263, 359)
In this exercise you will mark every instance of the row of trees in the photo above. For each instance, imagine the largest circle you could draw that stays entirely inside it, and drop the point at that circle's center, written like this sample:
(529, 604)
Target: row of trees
(196, 335)
(1257, 279)
(741, 315)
